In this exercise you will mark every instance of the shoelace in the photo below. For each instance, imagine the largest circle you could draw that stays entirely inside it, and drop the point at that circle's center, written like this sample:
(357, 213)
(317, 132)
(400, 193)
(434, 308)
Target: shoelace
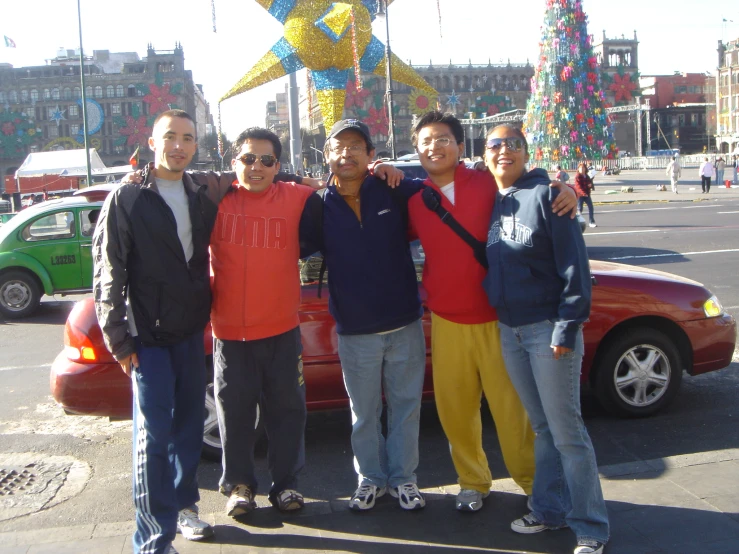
(365, 490)
(411, 491)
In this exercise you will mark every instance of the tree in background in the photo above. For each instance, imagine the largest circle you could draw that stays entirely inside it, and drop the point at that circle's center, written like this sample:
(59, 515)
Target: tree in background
(566, 119)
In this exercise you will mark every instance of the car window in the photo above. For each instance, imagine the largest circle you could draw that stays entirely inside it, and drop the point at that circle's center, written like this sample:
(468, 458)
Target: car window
(59, 225)
(88, 219)
(310, 268)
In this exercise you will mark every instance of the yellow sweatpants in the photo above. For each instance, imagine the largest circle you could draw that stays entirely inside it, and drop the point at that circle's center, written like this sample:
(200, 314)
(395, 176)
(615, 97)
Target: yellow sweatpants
(467, 361)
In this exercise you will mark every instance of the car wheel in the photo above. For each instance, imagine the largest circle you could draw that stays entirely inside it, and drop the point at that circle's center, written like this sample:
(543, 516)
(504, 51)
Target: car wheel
(639, 373)
(19, 294)
(212, 447)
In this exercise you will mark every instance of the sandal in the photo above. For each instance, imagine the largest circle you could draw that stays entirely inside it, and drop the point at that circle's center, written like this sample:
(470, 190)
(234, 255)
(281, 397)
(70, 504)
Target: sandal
(287, 501)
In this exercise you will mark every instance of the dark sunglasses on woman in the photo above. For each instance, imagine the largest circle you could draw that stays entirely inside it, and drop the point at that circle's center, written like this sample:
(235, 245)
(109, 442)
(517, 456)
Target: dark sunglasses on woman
(512, 143)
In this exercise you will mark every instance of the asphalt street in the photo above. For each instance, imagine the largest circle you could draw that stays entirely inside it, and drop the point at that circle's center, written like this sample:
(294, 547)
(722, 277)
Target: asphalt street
(693, 239)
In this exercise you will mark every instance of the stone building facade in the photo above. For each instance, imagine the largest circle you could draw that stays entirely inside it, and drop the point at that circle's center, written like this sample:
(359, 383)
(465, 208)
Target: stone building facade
(727, 97)
(41, 106)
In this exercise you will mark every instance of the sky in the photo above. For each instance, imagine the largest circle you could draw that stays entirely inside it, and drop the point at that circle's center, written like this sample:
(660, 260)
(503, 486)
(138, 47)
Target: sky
(675, 35)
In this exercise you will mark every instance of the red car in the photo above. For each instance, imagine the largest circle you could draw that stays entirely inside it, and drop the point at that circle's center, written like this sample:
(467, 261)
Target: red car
(645, 328)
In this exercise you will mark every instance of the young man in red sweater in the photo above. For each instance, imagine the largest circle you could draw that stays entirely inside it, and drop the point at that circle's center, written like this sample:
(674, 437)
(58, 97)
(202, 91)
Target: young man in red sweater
(465, 345)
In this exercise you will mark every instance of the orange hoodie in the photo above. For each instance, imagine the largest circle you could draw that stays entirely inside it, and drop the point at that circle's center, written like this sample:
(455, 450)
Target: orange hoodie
(254, 254)
(452, 276)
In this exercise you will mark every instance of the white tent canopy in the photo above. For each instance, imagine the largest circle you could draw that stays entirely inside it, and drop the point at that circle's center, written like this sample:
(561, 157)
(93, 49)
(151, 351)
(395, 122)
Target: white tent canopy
(58, 161)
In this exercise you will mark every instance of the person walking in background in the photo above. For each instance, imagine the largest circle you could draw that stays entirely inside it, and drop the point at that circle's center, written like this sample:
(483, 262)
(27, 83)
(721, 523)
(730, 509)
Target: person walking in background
(583, 188)
(705, 172)
(735, 164)
(539, 283)
(673, 170)
(720, 165)
(561, 175)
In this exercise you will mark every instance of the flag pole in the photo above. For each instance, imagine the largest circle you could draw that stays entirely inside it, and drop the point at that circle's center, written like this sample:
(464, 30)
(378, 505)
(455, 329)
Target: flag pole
(84, 99)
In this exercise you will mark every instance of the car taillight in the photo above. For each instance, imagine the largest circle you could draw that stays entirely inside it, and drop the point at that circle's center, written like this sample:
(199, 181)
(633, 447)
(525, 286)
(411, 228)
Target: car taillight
(77, 345)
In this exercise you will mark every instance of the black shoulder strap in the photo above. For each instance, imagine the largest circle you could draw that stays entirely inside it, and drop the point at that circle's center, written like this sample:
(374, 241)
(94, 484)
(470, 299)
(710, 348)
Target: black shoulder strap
(322, 271)
(432, 200)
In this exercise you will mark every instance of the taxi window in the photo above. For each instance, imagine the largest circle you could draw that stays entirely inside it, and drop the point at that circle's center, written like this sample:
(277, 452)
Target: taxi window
(59, 225)
(88, 219)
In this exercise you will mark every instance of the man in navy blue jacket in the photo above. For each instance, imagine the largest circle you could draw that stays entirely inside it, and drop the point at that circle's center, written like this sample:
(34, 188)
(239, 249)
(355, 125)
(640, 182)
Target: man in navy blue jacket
(374, 300)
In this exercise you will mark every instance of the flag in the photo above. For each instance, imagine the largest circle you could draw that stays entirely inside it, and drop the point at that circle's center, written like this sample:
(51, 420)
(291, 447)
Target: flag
(9, 42)
(134, 159)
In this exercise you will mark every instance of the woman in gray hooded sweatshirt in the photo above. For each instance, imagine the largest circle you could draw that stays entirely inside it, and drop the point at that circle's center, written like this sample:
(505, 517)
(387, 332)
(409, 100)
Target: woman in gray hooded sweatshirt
(539, 282)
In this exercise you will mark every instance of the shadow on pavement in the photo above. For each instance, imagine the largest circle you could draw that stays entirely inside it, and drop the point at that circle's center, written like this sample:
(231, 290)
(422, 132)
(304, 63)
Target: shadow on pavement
(635, 528)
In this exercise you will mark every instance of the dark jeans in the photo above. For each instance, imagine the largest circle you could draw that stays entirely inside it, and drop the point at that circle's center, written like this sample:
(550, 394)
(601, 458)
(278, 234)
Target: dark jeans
(168, 400)
(705, 183)
(589, 201)
(270, 370)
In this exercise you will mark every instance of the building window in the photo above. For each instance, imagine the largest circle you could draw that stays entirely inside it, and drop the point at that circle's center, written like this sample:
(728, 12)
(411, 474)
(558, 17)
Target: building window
(34, 95)
(74, 129)
(30, 113)
(98, 91)
(13, 96)
(67, 93)
(115, 109)
(53, 131)
(119, 91)
(131, 91)
(47, 94)
(55, 94)
(73, 110)
(77, 93)
(140, 92)
(88, 92)
(109, 91)
(24, 95)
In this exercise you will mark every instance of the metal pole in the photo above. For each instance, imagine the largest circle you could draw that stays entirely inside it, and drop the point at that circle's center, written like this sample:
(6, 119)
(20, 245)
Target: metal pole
(84, 99)
(389, 85)
(472, 139)
(296, 146)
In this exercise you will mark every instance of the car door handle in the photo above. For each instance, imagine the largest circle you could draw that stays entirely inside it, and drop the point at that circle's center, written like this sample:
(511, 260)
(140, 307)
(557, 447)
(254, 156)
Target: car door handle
(87, 245)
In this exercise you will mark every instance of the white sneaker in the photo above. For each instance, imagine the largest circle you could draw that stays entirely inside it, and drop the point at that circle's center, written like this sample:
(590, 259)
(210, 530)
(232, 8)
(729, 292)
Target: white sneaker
(408, 495)
(587, 546)
(469, 500)
(191, 526)
(364, 497)
(592, 224)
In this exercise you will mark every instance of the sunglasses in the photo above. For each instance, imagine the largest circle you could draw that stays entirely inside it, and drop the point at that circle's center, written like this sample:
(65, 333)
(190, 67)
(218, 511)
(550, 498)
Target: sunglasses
(512, 144)
(268, 160)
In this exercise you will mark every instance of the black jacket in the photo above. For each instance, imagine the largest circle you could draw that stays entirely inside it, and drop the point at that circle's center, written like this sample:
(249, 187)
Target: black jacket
(138, 255)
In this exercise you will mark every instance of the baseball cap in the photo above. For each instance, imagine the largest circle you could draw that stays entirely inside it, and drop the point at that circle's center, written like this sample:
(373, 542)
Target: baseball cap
(354, 125)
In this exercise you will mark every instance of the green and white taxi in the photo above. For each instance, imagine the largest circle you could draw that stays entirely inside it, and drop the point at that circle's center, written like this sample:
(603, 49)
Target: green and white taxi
(46, 249)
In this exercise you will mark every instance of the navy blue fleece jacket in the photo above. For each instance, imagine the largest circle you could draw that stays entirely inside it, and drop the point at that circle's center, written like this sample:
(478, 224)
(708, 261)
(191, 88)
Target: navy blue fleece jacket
(539, 267)
(371, 276)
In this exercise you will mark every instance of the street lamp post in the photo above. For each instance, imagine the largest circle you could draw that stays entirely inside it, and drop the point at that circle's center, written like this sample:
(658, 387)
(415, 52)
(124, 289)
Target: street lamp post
(84, 99)
(382, 10)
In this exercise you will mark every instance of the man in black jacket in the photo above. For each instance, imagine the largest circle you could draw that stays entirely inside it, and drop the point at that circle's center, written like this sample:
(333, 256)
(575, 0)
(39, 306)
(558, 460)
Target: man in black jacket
(152, 297)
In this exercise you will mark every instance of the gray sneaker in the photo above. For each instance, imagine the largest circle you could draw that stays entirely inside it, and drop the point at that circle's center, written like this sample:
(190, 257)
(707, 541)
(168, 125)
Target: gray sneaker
(469, 500)
(191, 526)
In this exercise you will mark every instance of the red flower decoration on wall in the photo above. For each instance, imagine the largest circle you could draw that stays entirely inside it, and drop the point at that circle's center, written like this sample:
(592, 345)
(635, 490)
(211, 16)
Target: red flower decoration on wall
(159, 98)
(622, 87)
(377, 121)
(136, 130)
(355, 97)
(8, 128)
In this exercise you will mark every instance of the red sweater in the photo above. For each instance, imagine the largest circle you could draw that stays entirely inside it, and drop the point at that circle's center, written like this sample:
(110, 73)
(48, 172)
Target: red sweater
(451, 275)
(254, 254)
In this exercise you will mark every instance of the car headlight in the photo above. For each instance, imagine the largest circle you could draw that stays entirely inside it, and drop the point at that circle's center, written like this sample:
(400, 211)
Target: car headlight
(712, 307)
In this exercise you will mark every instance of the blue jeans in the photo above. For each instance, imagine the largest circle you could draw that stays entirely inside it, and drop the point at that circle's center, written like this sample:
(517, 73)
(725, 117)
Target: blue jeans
(589, 201)
(393, 363)
(719, 176)
(566, 484)
(168, 400)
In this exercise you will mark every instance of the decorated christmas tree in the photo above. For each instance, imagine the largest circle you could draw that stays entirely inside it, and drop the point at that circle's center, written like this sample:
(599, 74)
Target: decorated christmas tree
(566, 119)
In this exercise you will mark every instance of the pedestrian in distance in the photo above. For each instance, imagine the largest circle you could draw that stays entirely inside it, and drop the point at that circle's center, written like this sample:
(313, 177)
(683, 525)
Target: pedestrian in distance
(706, 172)
(735, 165)
(583, 187)
(720, 165)
(673, 171)
(539, 282)
(561, 175)
(151, 287)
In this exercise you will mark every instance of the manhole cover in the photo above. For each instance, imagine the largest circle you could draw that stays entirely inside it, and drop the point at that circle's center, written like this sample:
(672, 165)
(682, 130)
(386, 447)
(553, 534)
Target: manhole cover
(17, 481)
